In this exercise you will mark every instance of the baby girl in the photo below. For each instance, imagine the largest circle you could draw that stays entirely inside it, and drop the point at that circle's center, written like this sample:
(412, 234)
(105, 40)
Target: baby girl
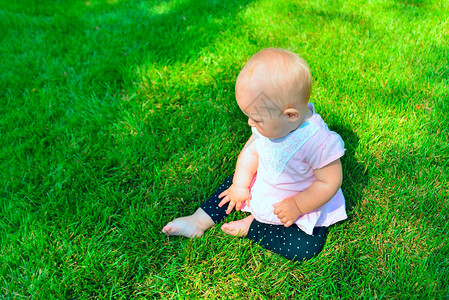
(288, 174)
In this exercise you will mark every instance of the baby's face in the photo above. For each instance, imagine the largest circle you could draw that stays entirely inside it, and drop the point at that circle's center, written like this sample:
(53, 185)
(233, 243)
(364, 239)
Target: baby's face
(264, 114)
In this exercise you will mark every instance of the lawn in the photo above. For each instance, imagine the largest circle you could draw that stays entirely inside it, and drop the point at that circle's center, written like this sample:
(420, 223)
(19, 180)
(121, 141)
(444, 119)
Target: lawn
(118, 116)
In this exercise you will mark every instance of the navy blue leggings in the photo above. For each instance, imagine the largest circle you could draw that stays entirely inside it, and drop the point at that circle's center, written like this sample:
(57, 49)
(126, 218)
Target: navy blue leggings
(289, 242)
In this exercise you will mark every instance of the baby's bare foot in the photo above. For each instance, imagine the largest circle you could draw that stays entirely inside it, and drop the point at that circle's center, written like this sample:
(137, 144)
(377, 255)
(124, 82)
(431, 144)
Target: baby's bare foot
(191, 226)
(185, 226)
(238, 228)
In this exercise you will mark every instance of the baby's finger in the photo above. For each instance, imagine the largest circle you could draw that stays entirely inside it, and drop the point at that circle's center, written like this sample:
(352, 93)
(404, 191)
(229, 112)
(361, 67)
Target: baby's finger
(238, 206)
(224, 193)
(288, 224)
(230, 207)
(223, 201)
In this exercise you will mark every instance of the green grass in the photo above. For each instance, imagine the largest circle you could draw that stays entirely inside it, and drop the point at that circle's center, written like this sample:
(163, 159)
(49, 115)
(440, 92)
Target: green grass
(118, 116)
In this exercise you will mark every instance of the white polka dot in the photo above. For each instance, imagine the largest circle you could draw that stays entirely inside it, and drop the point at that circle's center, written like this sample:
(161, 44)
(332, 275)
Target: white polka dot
(307, 243)
(307, 252)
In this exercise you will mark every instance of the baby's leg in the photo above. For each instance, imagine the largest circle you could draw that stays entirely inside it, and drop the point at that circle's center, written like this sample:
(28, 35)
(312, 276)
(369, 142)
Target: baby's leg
(210, 206)
(204, 217)
(289, 242)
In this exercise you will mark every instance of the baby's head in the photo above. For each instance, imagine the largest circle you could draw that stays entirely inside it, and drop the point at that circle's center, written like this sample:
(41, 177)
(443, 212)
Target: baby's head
(273, 90)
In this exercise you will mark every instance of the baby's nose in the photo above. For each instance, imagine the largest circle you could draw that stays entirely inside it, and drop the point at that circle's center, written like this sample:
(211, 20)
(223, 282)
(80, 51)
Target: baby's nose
(251, 122)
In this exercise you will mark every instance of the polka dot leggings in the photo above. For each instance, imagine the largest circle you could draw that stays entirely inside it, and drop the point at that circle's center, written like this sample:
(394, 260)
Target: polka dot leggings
(289, 242)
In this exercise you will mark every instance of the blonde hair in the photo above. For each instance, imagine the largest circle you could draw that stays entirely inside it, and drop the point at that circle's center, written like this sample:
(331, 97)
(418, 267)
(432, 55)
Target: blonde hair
(280, 74)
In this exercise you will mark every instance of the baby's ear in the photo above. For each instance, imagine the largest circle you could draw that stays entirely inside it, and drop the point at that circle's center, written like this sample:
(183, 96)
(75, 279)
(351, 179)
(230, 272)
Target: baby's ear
(292, 114)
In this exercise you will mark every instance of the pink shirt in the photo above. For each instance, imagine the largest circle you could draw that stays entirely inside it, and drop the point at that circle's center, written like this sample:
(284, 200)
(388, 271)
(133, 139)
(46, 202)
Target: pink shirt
(286, 168)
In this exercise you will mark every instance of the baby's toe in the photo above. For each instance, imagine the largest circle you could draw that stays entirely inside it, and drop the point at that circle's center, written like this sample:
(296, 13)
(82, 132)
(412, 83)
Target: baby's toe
(168, 229)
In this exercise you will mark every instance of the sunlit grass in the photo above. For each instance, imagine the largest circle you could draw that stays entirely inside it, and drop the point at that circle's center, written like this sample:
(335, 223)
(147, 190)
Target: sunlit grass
(118, 116)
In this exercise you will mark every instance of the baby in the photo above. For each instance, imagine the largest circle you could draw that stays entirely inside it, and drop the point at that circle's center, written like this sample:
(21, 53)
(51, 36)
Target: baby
(288, 174)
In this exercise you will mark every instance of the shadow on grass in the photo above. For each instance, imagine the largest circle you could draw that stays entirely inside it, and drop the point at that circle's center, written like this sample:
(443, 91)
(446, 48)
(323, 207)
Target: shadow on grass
(101, 42)
(355, 176)
(164, 35)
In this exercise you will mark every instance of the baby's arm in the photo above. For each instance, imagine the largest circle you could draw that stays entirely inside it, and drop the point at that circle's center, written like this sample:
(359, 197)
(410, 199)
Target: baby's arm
(328, 181)
(245, 170)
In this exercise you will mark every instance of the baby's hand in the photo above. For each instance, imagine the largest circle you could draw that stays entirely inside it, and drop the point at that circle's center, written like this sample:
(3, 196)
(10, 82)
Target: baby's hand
(236, 196)
(287, 211)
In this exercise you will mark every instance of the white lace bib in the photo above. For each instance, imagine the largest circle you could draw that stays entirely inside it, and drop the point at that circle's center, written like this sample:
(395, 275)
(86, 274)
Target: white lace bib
(275, 153)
